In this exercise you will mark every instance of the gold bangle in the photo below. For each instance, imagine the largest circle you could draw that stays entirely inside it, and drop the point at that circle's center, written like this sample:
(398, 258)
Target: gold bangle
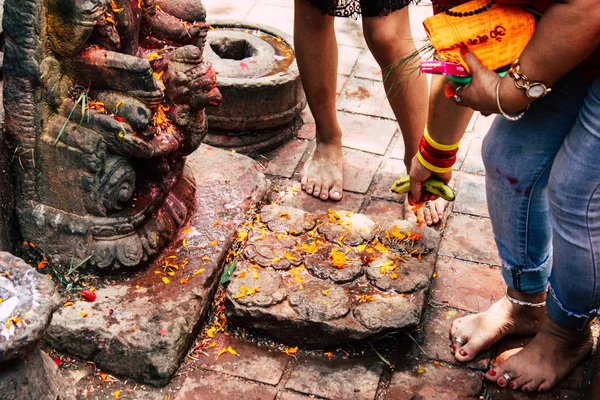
(432, 167)
(439, 146)
(505, 115)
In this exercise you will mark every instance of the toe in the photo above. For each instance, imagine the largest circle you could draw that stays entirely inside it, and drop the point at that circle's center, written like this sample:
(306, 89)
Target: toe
(317, 189)
(310, 186)
(303, 182)
(469, 350)
(518, 382)
(427, 216)
(435, 218)
(409, 214)
(440, 206)
(335, 193)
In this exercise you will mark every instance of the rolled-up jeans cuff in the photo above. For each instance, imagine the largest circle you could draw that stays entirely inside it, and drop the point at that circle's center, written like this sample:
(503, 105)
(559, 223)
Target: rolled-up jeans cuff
(565, 318)
(530, 280)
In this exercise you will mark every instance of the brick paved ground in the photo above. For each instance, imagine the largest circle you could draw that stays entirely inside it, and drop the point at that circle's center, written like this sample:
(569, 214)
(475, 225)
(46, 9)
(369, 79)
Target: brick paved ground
(467, 279)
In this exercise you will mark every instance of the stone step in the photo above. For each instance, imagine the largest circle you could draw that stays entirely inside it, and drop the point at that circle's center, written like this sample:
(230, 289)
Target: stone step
(321, 279)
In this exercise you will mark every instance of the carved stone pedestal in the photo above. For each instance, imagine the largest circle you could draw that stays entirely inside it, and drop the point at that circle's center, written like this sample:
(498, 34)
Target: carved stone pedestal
(143, 327)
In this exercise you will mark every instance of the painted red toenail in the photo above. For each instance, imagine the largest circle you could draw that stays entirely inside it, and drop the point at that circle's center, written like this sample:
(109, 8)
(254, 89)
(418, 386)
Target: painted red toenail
(462, 353)
(525, 390)
(512, 385)
(492, 373)
(500, 382)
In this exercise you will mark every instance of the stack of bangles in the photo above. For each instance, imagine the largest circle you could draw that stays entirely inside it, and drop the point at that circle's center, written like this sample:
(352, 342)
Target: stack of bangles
(435, 156)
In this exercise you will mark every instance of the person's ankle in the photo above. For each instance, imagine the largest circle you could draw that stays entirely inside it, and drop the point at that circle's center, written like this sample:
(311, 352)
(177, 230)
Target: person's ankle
(534, 298)
(568, 335)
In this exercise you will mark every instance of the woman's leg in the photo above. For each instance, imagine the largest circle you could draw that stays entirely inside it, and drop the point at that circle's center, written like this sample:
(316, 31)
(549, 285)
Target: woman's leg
(317, 57)
(518, 157)
(574, 198)
(389, 38)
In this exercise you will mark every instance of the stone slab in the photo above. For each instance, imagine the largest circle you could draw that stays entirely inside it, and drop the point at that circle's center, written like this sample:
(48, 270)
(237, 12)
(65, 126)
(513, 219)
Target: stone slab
(340, 380)
(366, 133)
(363, 96)
(367, 67)
(382, 207)
(473, 162)
(437, 343)
(387, 174)
(141, 327)
(470, 195)
(348, 278)
(467, 286)
(289, 194)
(431, 381)
(208, 385)
(257, 363)
(285, 160)
(359, 169)
(470, 238)
(36, 377)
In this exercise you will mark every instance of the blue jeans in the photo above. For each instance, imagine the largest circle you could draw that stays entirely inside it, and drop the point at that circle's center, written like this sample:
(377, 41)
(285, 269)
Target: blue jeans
(542, 182)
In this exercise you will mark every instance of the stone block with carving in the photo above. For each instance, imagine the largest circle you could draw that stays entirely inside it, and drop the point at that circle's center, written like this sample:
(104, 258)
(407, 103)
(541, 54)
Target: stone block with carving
(104, 99)
(326, 279)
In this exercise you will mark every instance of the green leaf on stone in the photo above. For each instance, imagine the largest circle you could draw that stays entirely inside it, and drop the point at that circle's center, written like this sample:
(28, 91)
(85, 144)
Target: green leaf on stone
(228, 271)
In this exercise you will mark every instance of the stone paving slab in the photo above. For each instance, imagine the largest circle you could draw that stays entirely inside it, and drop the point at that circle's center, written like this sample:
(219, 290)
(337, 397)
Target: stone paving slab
(285, 160)
(257, 363)
(431, 381)
(470, 238)
(363, 96)
(367, 67)
(362, 132)
(470, 196)
(465, 285)
(339, 380)
(142, 327)
(473, 164)
(289, 395)
(387, 174)
(217, 9)
(288, 193)
(436, 342)
(382, 207)
(359, 170)
(347, 57)
(278, 17)
(208, 385)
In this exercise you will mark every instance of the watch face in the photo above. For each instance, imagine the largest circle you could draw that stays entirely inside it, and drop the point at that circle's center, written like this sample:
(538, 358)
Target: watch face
(536, 91)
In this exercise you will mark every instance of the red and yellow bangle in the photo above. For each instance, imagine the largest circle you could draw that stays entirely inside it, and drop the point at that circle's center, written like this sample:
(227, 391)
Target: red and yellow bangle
(439, 146)
(436, 157)
(432, 167)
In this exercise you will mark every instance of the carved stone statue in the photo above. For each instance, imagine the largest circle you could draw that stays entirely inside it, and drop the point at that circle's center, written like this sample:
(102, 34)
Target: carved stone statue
(104, 99)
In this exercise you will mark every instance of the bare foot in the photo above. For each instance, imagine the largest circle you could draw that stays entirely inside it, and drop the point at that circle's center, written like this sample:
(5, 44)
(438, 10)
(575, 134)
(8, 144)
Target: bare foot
(549, 358)
(322, 176)
(480, 331)
(431, 212)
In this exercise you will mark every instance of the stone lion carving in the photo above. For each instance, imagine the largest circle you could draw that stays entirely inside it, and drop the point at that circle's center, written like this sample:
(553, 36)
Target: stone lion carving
(104, 99)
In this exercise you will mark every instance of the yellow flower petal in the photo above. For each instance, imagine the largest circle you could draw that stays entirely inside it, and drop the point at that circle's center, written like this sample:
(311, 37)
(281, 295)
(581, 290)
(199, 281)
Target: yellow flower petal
(165, 280)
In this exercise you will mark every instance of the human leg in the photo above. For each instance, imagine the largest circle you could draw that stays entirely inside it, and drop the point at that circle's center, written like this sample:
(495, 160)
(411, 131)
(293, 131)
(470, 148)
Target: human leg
(389, 39)
(574, 199)
(317, 57)
(518, 157)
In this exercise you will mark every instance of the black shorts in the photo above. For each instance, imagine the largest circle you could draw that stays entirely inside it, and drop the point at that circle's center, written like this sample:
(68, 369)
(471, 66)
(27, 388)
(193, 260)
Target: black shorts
(355, 8)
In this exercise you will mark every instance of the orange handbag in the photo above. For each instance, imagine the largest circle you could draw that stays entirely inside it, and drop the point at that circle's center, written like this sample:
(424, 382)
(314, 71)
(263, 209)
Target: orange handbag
(497, 36)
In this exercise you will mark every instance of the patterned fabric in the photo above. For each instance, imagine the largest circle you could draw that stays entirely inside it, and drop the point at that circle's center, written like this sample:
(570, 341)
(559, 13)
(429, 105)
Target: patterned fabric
(355, 8)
